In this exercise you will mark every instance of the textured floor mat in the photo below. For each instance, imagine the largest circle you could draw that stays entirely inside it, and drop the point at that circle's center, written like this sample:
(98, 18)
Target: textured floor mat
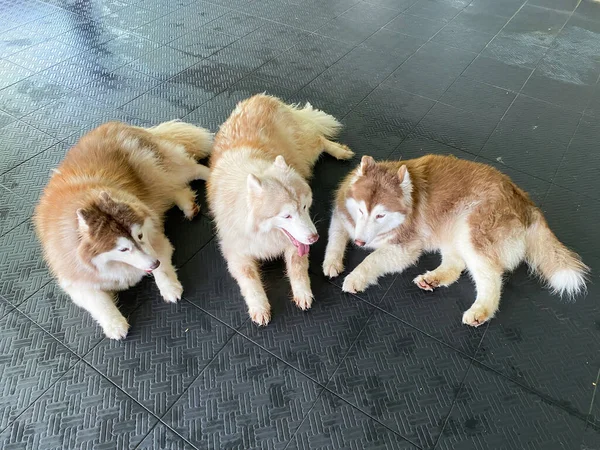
(511, 83)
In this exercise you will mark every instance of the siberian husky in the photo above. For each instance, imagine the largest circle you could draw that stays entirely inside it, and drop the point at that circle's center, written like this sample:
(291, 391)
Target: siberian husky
(258, 194)
(475, 216)
(100, 218)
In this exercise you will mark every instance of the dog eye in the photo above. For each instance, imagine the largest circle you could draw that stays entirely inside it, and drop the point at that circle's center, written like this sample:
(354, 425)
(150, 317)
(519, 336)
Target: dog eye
(140, 236)
(380, 216)
(289, 216)
(304, 206)
(361, 212)
(124, 249)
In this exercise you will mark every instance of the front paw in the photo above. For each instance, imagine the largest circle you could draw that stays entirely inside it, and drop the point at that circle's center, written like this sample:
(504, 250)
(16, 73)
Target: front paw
(354, 283)
(303, 300)
(191, 211)
(332, 268)
(171, 290)
(260, 315)
(116, 328)
(477, 315)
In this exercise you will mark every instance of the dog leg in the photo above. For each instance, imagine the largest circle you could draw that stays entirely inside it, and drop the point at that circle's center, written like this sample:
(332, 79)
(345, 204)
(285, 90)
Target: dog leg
(297, 271)
(384, 260)
(102, 307)
(447, 273)
(165, 276)
(185, 199)
(488, 282)
(200, 172)
(338, 151)
(333, 264)
(245, 271)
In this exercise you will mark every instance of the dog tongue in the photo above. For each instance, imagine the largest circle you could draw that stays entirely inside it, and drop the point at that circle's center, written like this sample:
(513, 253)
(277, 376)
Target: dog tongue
(302, 249)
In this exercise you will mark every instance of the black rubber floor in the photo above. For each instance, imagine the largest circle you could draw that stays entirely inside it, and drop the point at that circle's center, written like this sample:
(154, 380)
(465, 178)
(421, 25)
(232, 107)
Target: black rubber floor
(509, 83)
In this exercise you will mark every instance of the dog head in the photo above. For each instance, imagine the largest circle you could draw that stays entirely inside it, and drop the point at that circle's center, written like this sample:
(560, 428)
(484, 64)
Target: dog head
(379, 200)
(115, 231)
(281, 199)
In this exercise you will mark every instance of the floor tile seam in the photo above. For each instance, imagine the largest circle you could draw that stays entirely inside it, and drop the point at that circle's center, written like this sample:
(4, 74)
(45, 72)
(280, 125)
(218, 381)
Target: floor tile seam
(546, 8)
(36, 71)
(213, 237)
(21, 24)
(455, 400)
(519, 93)
(11, 422)
(425, 333)
(404, 62)
(56, 142)
(26, 298)
(172, 430)
(9, 306)
(591, 408)
(4, 233)
(546, 398)
(581, 118)
(373, 418)
(161, 417)
(324, 386)
(195, 28)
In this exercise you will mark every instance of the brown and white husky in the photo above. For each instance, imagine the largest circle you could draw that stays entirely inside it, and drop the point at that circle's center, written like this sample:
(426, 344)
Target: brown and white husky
(100, 218)
(475, 216)
(263, 154)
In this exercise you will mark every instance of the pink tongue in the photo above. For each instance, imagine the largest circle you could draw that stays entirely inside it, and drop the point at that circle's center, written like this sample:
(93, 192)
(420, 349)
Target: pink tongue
(302, 249)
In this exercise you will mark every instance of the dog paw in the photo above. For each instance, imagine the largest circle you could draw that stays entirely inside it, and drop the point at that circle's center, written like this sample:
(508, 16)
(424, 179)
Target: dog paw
(192, 211)
(171, 291)
(477, 315)
(332, 269)
(303, 300)
(345, 153)
(354, 283)
(116, 328)
(259, 315)
(427, 282)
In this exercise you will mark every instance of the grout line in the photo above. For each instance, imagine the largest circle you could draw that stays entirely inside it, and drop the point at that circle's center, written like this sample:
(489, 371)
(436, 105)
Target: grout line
(462, 383)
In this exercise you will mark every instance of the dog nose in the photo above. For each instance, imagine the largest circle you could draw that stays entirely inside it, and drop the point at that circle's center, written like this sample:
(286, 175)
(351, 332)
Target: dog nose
(359, 242)
(155, 265)
(313, 238)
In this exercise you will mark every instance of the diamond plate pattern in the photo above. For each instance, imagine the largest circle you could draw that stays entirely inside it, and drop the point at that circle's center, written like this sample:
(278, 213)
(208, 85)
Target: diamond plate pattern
(165, 439)
(31, 362)
(245, 398)
(56, 420)
(167, 347)
(21, 142)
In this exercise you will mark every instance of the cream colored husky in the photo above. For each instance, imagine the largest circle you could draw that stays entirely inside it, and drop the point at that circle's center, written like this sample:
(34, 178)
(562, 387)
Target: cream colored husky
(259, 196)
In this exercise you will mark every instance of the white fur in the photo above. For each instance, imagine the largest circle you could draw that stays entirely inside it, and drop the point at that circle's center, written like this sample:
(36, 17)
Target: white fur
(372, 227)
(567, 281)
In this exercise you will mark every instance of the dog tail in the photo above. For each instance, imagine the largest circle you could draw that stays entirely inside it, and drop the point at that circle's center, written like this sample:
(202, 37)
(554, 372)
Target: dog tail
(560, 267)
(197, 141)
(320, 121)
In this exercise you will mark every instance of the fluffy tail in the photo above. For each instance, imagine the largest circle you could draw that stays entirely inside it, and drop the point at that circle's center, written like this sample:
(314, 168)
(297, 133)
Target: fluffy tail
(322, 122)
(197, 141)
(560, 267)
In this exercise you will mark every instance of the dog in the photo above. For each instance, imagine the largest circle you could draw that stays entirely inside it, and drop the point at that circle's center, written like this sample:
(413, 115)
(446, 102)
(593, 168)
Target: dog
(474, 215)
(100, 217)
(259, 196)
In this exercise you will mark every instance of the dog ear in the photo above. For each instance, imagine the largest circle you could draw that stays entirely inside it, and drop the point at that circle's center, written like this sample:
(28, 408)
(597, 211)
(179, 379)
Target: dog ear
(405, 182)
(366, 163)
(82, 219)
(280, 163)
(254, 184)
